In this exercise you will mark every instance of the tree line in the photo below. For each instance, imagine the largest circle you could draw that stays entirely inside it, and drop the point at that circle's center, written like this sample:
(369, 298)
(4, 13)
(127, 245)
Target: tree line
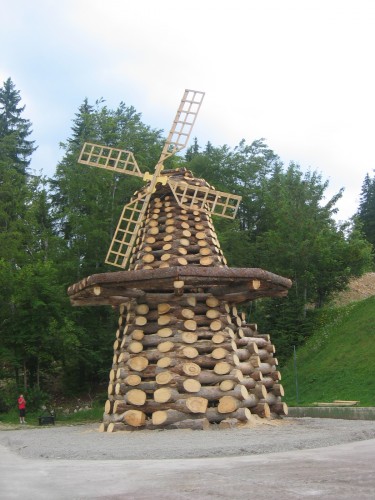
(55, 231)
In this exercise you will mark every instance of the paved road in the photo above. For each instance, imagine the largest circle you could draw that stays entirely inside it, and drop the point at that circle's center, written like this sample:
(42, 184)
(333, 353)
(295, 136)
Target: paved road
(338, 472)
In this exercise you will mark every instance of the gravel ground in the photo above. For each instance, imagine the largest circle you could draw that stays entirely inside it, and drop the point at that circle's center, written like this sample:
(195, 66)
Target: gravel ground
(84, 442)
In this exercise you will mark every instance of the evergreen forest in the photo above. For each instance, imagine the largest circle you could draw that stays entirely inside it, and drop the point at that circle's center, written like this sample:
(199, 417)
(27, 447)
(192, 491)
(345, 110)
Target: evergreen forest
(56, 231)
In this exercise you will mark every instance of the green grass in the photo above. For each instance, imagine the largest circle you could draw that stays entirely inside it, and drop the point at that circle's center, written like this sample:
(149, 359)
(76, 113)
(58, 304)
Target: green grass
(94, 414)
(338, 361)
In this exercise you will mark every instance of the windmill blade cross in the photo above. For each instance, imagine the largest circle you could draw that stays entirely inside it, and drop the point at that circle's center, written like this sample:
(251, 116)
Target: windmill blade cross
(187, 196)
(131, 217)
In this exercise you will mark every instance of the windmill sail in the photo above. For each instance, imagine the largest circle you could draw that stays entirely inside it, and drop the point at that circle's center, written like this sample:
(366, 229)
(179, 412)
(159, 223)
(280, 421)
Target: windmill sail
(126, 232)
(108, 158)
(183, 123)
(201, 198)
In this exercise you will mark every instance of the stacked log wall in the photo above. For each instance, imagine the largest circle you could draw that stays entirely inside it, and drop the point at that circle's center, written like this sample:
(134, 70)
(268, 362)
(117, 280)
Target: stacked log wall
(172, 236)
(168, 369)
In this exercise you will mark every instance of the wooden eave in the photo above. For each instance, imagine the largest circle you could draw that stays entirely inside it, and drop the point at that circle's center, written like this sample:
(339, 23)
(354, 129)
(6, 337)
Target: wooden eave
(235, 285)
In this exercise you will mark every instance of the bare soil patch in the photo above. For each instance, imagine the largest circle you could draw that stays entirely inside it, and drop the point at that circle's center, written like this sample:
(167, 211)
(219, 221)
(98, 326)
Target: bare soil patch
(358, 289)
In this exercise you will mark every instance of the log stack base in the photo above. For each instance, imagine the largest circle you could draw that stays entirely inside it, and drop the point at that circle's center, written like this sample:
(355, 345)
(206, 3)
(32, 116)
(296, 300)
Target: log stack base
(171, 372)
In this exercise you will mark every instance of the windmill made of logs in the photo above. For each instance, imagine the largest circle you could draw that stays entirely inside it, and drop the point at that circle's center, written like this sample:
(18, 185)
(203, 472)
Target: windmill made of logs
(184, 357)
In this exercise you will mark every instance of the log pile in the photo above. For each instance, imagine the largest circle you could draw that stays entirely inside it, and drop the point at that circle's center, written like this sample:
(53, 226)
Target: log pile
(186, 359)
(173, 372)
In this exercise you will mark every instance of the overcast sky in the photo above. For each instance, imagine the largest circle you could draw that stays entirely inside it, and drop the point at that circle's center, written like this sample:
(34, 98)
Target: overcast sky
(299, 73)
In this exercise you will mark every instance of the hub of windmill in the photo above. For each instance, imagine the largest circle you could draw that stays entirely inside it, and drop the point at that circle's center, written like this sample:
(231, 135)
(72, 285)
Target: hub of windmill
(185, 356)
(160, 179)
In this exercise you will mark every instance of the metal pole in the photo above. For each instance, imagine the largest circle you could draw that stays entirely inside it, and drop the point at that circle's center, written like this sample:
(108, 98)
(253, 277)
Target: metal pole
(295, 372)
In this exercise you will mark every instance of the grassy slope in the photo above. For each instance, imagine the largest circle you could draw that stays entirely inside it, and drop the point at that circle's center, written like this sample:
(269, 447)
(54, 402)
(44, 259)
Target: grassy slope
(338, 361)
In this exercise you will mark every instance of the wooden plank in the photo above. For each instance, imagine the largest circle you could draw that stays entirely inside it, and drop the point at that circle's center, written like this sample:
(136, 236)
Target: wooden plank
(337, 403)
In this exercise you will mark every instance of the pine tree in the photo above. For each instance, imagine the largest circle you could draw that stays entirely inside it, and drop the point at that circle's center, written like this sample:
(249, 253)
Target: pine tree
(15, 147)
(192, 150)
(30, 297)
(15, 152)
(366, 211)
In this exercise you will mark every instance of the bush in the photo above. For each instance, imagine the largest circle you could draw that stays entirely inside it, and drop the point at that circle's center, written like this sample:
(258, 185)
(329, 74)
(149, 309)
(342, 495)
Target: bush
(8, 395)
(36, 399)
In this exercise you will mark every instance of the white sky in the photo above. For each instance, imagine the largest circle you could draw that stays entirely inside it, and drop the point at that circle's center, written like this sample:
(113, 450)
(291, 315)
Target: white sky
(299, 73)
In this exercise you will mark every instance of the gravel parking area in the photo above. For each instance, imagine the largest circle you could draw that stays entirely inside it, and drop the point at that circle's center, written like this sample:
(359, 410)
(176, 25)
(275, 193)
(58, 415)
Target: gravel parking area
(84, 442)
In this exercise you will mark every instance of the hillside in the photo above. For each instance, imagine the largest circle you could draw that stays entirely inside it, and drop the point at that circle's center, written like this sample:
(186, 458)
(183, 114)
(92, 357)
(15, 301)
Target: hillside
(337, 362)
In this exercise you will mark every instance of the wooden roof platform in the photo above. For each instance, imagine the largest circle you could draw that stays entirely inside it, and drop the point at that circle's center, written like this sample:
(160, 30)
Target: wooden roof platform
(234, 285)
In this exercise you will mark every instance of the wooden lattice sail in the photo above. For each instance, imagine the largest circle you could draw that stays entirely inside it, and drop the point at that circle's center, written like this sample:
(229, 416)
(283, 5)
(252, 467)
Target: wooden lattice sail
(184, 357)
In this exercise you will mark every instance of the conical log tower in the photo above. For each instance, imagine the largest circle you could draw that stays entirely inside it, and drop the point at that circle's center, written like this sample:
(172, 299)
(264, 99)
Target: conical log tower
(184, 357)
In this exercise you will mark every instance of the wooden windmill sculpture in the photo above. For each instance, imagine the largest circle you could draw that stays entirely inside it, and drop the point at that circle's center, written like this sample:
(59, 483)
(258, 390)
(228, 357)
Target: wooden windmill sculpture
(184, 357)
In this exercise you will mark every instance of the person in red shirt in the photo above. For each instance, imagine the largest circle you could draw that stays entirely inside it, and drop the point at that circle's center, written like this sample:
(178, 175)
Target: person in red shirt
(22, 408)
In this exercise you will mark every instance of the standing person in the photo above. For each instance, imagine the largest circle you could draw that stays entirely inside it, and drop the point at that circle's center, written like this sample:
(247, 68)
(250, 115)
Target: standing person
(22, 408)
